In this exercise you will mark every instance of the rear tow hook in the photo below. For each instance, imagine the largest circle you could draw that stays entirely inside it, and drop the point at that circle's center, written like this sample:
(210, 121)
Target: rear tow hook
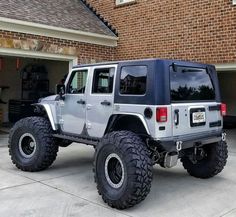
(179, 146)
(223, 137)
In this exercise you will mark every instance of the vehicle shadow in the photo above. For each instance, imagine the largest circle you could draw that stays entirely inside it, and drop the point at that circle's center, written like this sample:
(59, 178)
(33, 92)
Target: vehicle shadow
(75, 158)
(171, 188)
(174, 186)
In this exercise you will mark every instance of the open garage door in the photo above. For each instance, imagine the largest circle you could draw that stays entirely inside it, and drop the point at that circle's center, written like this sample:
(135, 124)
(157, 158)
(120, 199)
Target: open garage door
(227, 80)
(23, 80)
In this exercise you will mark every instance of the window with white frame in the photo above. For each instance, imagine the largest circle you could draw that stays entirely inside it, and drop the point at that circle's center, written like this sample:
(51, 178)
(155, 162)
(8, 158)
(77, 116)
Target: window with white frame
(234, 2)
(120, 2)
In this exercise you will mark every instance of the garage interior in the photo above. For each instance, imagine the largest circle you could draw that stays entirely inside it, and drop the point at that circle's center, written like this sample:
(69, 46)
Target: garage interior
(227, 80)
(22, 82)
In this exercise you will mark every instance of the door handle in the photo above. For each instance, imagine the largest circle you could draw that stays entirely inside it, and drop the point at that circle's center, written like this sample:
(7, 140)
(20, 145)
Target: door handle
(82, 102)
(105, 102)
(176, 117)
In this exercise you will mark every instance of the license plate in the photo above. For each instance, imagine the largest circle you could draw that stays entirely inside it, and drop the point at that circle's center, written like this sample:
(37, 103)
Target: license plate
(199, 117)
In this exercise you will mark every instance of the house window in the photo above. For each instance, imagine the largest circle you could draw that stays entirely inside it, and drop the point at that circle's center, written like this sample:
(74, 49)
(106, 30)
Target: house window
(234, 2)
(120, 2)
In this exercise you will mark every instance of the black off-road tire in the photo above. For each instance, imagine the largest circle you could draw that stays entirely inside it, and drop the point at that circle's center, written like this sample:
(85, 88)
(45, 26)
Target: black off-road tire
(137, 166)
(46, 149)
(211, 165)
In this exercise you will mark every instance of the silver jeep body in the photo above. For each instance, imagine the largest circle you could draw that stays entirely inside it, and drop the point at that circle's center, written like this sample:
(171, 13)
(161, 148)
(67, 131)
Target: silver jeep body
(89, 115)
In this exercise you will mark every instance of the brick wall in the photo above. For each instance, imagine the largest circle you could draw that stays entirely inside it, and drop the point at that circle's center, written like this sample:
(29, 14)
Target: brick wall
(189, 30)
(86, 52)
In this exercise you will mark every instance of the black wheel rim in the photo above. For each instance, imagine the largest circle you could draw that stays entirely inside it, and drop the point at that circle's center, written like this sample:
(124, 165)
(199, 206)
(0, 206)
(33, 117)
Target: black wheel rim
(27, 145)
(114, 170)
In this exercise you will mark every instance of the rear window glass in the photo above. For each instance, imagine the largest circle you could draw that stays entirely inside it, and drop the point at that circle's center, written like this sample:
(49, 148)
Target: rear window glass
(189, 84)
(133, 80)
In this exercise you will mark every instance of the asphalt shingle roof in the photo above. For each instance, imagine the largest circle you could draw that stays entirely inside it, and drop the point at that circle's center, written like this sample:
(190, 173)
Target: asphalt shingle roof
(70, 14)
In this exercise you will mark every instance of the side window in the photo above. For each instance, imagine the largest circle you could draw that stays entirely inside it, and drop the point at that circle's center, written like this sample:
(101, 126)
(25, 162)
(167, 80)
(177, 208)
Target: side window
(103, 80)
(133, 80)
(77, 84)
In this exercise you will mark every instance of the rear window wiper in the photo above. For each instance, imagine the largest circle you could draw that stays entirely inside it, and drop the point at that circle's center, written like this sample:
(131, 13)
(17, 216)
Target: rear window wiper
(191, 70)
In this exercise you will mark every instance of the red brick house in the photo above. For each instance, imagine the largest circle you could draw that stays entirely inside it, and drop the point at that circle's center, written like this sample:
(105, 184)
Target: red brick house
(203, 31)
(55, 33)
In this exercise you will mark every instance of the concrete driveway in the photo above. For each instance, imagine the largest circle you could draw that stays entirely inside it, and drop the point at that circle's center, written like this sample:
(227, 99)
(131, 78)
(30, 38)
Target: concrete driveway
(67, 189)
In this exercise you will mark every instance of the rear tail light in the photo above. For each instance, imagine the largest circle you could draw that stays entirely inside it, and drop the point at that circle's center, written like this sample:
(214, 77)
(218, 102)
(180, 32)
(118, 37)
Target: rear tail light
(223, 109)
(161, 114)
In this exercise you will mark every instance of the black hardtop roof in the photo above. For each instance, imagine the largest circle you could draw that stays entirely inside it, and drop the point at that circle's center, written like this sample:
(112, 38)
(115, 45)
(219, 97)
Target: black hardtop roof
(147, 61)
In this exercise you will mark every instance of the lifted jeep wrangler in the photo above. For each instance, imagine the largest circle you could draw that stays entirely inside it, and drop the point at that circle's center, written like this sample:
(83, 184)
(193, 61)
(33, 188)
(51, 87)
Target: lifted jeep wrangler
(136, 114)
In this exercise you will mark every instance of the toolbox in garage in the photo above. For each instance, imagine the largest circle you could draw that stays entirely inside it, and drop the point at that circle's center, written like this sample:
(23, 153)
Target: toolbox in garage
(19, 109)
(35, 84)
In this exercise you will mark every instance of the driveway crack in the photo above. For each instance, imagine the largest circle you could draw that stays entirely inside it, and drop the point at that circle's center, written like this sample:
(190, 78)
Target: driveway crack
(234, 209)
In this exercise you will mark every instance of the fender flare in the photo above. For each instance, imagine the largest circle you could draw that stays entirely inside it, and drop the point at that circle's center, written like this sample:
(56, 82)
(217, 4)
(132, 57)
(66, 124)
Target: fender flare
(114, 118)
(49, 114)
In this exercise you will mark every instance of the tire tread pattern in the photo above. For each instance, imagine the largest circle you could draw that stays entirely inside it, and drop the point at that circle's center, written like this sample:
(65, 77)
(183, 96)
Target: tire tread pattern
(211, 168)
(43, 129)
(138, 158)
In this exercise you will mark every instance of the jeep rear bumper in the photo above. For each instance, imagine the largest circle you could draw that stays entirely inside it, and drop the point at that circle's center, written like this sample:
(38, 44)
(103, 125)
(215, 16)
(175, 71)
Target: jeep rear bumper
(178, 143)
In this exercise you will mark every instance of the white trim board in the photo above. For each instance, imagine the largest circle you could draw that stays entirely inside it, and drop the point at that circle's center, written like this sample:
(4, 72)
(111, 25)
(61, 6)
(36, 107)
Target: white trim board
(226, 67)
(121, 2)
(73, 60)
(56, 32)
